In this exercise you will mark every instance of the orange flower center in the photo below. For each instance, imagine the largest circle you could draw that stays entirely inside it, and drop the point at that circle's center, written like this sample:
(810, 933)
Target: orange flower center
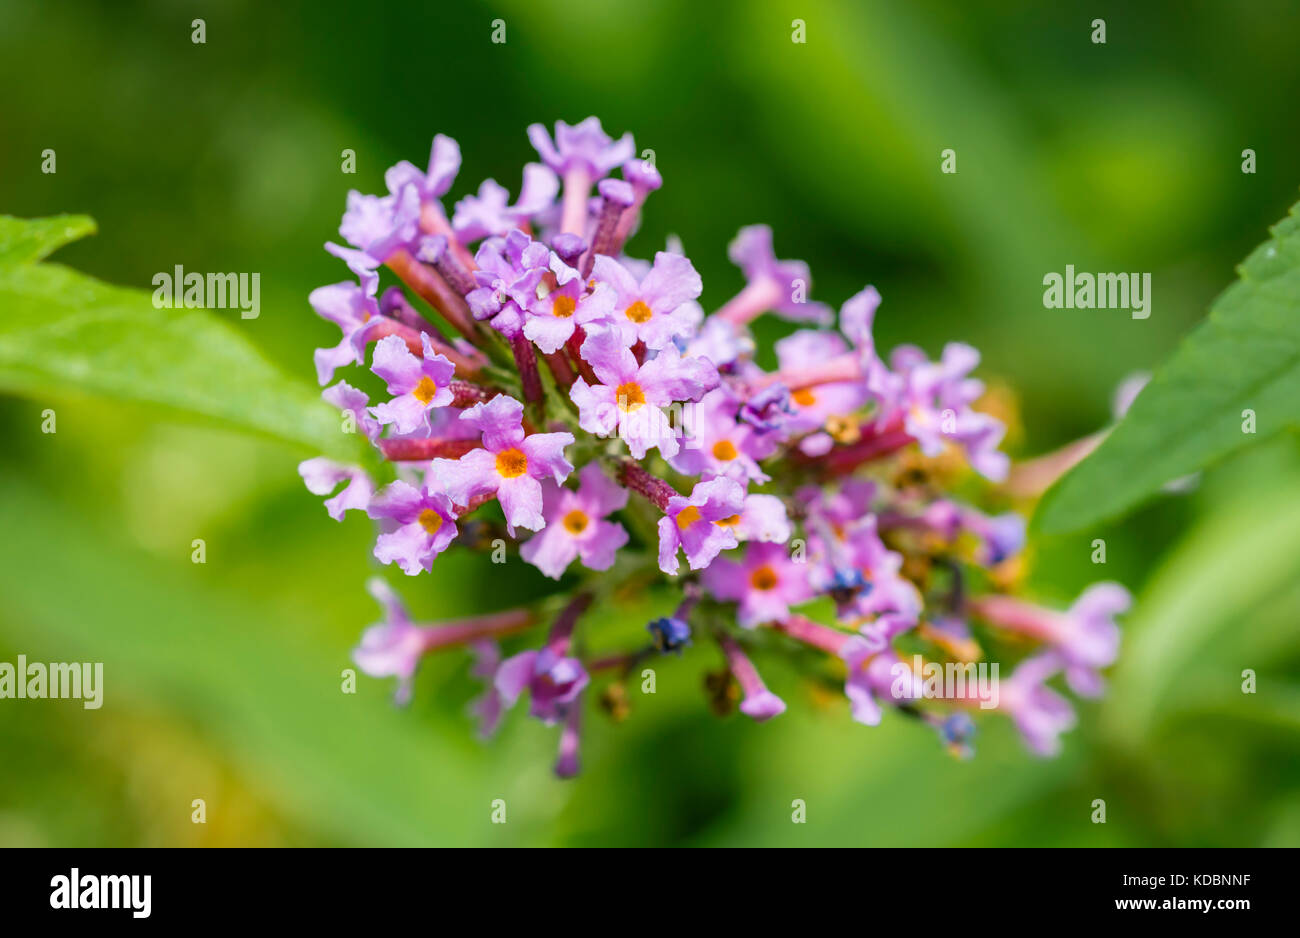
(687, 517)
(629, 396)
(638, 312)
(763, 578)
(724, 450)
(425, 390)
(562, 307)
(511, 463)
(804, 397)
(430, 520)
(728, 522)
(575, 522)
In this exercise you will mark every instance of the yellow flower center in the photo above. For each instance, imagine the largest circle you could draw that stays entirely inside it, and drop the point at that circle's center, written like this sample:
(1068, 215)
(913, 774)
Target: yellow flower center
(511, 463)
(629, 396)
(728, 522)
(562, 306)
(575, 522)
(430, 520)
(844, 429)
(687, 517)
(763, 578)
(724, 450)
(804, 397)
(638, 312)
(425, 390)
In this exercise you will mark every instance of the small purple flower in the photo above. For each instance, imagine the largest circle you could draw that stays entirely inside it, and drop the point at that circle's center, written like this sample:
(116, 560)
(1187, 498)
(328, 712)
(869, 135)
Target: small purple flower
(763, 518)
(1040, 713)
(875, 672)
(352, 401)
(721, 343)
(350, 308)
(721, 445)
(490, 214)
(418, 385)
(630, 396)
(322, 476)
(652, 310)
(698, 525)
(427, 525)
(576, 525)
(379, 226)
(551, 317)
(934, 399)
(553, 680)
(779, 286)
(583, 146)
(444, 164)
(814, 405)
(510, 464)
(394, 647)
(508, 274)
(766, 583)
(363, 266)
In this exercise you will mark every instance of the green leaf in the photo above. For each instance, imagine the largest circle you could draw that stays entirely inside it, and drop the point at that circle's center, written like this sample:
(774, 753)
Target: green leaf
(62, 331)
(25, 241)
(1245, 356)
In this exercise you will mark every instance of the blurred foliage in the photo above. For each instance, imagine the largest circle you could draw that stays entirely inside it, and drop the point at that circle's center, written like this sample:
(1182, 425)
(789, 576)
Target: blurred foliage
(222, 680)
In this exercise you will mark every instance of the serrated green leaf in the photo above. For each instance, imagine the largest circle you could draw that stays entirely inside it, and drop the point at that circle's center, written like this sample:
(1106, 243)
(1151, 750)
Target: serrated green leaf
(62, 331)
(1245, 356)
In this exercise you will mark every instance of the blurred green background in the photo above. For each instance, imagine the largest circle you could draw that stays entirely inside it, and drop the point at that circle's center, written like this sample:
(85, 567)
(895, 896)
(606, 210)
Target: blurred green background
(222, 680)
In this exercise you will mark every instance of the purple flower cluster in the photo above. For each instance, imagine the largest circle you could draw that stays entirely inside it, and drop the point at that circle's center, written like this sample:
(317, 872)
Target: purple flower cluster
(536, 382)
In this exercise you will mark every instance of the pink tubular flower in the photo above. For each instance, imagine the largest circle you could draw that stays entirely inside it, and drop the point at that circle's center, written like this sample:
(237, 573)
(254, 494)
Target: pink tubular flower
(510, 464)
(779, 286)
(1040, 713)
(351, 401)
(394, 647)
(417, 385)
(489, 213)
(814, 405)
(576, 525)
(700, 524)
(350, 308)
(583, 146)
(427, 525)
(630, 397)
(653, 310)
(322, 476)
(760, 703)
(1085, 638)
(766, 583)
